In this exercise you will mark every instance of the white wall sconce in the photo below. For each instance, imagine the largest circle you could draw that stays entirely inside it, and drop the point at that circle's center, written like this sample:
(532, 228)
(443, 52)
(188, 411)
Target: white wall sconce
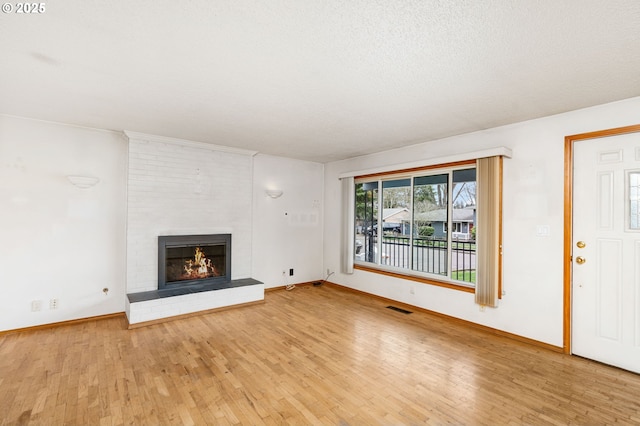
(83, 182)
(273, 193)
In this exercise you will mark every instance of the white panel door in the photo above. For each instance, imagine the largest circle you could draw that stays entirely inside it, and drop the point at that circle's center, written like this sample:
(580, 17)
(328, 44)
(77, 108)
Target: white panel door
(606, 250)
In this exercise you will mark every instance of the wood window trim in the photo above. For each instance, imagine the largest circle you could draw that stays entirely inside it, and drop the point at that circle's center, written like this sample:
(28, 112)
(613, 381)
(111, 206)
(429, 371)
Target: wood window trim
(432, 281)
(401, 173)
(415, 278)
(501, 217)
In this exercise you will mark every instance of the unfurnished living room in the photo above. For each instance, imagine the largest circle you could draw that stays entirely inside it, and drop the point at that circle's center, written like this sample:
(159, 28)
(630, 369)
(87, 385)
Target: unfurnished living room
(304, 212)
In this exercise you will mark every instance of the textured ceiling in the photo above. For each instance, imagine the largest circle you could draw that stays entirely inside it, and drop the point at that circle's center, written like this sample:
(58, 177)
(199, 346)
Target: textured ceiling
(316, 80)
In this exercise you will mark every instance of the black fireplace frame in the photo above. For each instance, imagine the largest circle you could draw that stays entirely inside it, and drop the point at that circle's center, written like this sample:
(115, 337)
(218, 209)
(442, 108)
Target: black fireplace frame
(169, 241)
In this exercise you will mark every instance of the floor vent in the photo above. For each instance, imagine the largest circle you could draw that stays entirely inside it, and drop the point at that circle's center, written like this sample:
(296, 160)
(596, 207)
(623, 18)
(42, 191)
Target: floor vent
(404, 311)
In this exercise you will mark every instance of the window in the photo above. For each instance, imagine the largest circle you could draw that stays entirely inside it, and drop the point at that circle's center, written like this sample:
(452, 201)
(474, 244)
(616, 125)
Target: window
(402, 222)
(633, 200)
(397, 223)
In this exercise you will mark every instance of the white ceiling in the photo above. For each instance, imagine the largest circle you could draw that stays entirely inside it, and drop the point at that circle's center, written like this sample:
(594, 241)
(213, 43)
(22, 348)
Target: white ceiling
(316, 80)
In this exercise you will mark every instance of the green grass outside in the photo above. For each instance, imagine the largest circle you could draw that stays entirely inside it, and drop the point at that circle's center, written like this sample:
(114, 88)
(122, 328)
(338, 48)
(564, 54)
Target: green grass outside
(466, 275)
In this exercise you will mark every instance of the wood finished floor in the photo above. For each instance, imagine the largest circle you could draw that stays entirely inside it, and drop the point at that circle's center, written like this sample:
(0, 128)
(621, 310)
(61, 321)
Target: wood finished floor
(315, 355)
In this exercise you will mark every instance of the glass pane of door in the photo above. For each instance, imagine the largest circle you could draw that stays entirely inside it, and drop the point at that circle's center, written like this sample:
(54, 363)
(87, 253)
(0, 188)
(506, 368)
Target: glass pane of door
(633, 209)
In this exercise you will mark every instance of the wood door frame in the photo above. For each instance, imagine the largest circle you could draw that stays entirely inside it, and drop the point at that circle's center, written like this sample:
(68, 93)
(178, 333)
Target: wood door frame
(568, 218)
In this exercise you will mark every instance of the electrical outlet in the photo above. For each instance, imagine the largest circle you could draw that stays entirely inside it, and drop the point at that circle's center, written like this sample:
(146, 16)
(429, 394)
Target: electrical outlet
(36, 305)
(291, 272)
(53, 304)
(328, 271)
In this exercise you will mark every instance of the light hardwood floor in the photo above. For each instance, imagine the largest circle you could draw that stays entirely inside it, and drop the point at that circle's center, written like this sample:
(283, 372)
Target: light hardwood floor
(315, 355)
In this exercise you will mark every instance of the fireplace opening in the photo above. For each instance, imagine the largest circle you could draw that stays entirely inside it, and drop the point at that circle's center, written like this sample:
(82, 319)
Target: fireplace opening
(193, 260)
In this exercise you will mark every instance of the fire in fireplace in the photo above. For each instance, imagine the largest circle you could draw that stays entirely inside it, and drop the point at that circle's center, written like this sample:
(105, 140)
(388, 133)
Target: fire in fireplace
(193, 260)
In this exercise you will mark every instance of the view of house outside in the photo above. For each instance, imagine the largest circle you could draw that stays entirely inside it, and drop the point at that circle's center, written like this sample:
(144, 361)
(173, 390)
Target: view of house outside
(415, 232)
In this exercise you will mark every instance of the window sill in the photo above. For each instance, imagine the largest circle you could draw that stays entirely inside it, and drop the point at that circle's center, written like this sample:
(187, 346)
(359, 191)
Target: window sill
(416, 278)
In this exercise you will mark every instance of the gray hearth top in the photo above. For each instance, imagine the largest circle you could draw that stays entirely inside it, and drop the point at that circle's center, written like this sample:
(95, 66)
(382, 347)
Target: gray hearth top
(159, 294)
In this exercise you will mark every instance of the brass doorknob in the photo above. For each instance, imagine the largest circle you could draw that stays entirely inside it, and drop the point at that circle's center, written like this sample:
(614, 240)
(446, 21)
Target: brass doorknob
(580, 260)
(581, 244)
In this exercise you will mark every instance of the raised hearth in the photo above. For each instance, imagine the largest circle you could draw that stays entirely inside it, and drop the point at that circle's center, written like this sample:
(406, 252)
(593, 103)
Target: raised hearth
(172, 292)
(194, 275)
(148, 307)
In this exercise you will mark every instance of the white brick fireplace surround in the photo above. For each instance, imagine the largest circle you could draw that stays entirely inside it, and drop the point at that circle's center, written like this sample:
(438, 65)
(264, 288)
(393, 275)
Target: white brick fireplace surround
(178, 187)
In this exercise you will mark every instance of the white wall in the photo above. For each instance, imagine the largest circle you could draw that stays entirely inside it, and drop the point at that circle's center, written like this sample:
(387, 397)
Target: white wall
(287, 231)
(533, 195)
(59, 241)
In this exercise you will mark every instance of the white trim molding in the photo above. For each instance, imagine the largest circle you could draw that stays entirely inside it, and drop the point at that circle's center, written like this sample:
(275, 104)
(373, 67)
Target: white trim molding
(193, 144)
(464, 156)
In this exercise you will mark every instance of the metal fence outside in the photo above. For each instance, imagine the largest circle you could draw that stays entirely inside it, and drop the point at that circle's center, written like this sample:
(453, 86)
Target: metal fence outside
(428, 255)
